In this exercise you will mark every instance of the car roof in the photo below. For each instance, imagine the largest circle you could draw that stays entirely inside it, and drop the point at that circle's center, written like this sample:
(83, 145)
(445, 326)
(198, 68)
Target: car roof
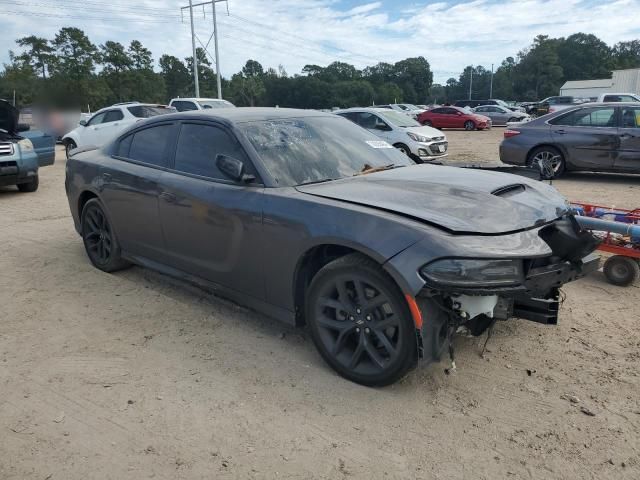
(362, 109)
(241, 115)
(197, 99)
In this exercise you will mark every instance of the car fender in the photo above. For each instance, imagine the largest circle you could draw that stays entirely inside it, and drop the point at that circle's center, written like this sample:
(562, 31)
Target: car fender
(72, 135)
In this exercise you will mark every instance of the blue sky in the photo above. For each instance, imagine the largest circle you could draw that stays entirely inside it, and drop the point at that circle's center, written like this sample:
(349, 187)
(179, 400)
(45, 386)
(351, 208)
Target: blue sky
(292, 33)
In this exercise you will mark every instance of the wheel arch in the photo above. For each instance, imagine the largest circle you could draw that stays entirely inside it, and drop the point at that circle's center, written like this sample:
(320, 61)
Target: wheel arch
(319, 255)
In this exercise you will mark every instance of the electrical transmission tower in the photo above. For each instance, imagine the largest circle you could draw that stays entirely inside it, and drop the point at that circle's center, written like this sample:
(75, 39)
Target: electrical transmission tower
(215, 41)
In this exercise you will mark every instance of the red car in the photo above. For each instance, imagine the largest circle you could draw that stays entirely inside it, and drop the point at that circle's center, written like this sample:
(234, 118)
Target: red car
(454, 117)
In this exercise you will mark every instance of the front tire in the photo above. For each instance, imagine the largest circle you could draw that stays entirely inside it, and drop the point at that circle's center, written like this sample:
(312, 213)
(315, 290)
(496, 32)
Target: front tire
(360, 322)
(31, 186)
(68, 146)
(428, 123)
(404, 149)
(621, 271)
(469, 125)
(99, 239)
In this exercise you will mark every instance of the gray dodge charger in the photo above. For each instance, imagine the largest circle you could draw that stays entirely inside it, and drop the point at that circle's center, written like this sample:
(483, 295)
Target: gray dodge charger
(311, 219)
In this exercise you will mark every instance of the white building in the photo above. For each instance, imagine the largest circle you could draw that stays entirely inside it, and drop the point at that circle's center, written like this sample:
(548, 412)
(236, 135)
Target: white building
(621, 81)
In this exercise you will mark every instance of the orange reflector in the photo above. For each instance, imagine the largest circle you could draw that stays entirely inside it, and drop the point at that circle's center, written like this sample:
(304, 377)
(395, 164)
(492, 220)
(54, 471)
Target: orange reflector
(415, 310)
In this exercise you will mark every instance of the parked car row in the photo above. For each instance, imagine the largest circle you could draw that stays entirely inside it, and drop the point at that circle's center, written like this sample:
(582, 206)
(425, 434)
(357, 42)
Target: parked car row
(110, 121)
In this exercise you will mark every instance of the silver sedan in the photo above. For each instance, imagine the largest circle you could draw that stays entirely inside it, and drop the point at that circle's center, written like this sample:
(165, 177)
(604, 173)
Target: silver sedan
(500, 115)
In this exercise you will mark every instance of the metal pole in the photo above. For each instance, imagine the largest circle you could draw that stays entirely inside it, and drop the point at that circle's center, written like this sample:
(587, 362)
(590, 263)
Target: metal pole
(491, 84)
(193, 46)
(215, 40)
(470, 81)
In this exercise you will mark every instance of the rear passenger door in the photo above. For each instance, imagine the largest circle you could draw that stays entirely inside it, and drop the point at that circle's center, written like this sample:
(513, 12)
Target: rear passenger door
(212, 225)
(130, 188)
(629, 134)
(589, 136)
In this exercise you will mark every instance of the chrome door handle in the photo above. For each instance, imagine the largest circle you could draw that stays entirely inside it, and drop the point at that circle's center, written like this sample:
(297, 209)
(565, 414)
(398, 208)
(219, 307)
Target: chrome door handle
(106, 177)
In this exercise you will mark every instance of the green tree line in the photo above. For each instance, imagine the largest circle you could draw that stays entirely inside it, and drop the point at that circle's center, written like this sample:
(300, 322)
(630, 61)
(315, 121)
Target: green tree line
(71, 71)
(541, 69)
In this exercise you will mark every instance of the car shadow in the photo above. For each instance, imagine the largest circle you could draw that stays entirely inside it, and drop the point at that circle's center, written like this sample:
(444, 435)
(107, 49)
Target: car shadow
(595, 177)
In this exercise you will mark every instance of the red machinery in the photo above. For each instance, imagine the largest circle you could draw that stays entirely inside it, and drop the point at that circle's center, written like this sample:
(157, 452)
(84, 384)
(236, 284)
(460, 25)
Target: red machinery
(620, 234)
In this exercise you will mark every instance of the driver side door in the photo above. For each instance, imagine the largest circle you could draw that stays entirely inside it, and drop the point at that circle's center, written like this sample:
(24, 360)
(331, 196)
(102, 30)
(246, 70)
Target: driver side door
(212, 225)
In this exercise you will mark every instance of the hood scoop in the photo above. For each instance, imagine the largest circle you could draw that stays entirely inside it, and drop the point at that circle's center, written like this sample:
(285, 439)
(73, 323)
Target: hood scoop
(509, 190)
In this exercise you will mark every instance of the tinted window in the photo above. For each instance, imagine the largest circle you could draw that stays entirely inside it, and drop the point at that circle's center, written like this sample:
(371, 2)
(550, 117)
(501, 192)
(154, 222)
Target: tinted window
(588, 117)
(449, 111)
(311, 149)
(631, 117)
(369, 120)
(198, 147)
(124, 146)
(97, 119)
(483, 109)
(148, 145)
(350, 116)
(148, 111)
(439, 110)
(113, 116)
(183, 106)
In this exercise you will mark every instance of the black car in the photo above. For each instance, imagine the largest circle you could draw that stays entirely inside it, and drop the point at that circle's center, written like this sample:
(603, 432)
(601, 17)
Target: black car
(601, 137)
(313, 220)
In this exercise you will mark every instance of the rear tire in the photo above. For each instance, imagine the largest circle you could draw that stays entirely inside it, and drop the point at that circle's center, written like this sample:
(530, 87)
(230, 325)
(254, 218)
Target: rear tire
(30, 187)
(99, 239)
(68, 146)
(622, 271)
(551, 157)
(469, 125)
(360, 322)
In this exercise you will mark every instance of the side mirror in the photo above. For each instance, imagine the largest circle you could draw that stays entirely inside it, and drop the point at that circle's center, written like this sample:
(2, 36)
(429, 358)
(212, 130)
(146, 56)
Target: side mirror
(82, 123)
(233, 168)
(23, 127)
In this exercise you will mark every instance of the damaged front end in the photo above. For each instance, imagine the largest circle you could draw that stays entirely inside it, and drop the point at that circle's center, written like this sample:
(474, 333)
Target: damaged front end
(471, 294)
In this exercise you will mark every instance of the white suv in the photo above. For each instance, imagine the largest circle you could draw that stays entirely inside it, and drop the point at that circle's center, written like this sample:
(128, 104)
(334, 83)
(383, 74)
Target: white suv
(108, 122)
(184, 104)
(421, 143)
(618, 97)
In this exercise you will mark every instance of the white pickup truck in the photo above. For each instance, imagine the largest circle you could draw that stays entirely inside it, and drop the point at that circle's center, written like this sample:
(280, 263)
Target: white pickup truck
(618, 97)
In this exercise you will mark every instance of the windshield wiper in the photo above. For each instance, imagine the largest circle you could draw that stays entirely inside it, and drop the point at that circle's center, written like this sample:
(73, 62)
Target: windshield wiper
(369, 169)
(317, 181)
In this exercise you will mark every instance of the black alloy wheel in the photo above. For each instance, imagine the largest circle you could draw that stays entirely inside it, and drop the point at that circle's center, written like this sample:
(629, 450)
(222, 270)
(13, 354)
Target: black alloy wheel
(360, 322)
(99, 238)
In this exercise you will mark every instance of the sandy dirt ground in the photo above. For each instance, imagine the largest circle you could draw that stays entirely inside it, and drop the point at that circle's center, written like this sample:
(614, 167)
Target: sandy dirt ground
(135, 376)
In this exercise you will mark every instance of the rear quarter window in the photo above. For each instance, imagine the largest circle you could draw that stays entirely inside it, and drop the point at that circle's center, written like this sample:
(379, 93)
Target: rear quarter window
(149, 145)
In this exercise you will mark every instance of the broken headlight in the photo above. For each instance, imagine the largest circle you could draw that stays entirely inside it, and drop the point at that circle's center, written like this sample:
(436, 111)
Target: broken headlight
(474, 272)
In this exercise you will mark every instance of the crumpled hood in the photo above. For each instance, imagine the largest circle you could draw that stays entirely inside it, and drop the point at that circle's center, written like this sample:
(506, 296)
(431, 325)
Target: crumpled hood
(456, 199)
(8, 117)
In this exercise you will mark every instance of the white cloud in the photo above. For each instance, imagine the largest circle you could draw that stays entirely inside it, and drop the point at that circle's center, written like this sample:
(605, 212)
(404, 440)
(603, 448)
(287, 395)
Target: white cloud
(296, 32)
